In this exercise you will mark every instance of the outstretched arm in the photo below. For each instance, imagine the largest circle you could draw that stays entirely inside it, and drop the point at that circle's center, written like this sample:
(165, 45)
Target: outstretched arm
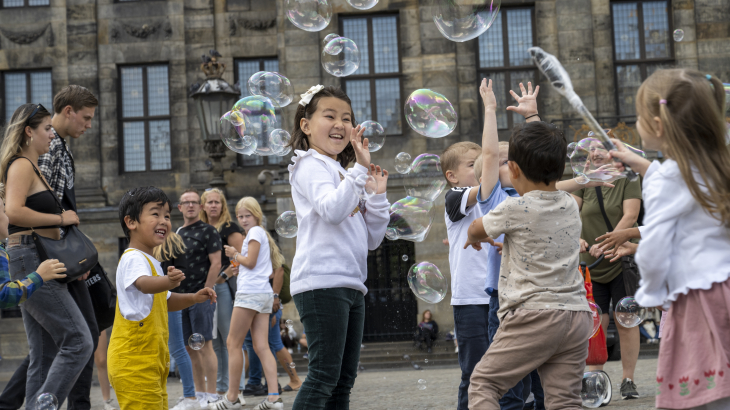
(490, 144)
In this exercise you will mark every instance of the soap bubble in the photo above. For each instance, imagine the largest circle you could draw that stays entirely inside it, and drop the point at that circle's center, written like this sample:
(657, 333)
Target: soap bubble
(463, 20)
(292, 365)
(406, 357)
(232, 125)
(289, 323)
(309, 15)
(425, 180)
(628, 312)
(261, 116)
(410, 219)
(272, 85)
(369, 186)
(430, 113)
(335, 47)
(363, 4)
(592, 162)
(425, 360)
(596, 313)
(286, 226)
(422, 384)
(340, 57)
(196, 341)
(405, 258)
(571, 148)
(279, 142)
(375, 133)
(403, 162)
(47, 401)
(427, 282)
(678, 34)
(594, 389)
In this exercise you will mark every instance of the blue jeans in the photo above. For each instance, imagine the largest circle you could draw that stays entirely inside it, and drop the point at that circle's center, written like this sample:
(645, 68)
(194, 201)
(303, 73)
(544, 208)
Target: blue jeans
(255, 370)
(515, 397)
(176, 344)
(472, 328)
(225, 311)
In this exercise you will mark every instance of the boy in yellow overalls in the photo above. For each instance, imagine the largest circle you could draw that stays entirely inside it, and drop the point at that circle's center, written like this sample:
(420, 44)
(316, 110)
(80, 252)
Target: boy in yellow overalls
(138, 357)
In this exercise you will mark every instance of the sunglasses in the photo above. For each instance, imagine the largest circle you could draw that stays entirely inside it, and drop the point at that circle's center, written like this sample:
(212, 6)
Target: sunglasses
(37, 108)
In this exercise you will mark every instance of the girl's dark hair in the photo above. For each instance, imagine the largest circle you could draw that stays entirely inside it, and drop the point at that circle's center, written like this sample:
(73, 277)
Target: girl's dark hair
(135, 199)
(299, 139)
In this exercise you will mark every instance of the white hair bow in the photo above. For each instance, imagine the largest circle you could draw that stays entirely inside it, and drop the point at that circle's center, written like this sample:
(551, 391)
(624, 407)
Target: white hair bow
(307, 97)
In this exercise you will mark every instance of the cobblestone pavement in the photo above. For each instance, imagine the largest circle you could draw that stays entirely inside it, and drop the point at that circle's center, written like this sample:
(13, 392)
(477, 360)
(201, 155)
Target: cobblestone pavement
(398, 389)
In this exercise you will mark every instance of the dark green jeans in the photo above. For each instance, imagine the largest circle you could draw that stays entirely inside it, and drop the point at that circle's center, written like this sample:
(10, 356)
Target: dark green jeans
(333, 320)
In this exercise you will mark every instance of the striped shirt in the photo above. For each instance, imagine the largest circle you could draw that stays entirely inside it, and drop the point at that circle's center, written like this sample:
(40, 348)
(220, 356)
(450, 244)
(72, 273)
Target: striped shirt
(13, 293)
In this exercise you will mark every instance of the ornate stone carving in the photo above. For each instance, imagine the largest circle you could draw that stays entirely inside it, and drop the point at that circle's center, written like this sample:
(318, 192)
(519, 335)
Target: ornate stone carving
(27, 37)
(144, 31)
(215, 148)
(247, 24)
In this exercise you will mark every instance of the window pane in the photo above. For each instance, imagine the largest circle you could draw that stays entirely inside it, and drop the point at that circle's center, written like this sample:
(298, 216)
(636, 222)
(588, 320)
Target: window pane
(158, 98)
(357, 31)
(656, 29)
(517, 77)
(359, 93)
(252, 160)
(134, 151)
(132, 92)
(626, 31)
(491, 48)
(41, 90)
(16, 93)
(160, 145)
(387, 95)
(275, 159)
(498, 80)
(628, 81)
(245, 70)
(38, 2)
(12, 3)
(385, 44)
(271, 65)
(519, 33)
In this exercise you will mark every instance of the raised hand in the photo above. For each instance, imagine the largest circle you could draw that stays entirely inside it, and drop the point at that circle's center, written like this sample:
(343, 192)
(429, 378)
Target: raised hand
(485, 90)
(623, 154)
(527, 103)
(360, 145)
(205, 294)
(381, 177)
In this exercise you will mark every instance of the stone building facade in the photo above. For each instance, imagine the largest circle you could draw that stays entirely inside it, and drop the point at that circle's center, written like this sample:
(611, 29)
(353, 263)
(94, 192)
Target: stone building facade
(607, 47)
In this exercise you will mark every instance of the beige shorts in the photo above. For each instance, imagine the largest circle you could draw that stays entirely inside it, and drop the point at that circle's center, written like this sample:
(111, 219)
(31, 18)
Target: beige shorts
(260, 302)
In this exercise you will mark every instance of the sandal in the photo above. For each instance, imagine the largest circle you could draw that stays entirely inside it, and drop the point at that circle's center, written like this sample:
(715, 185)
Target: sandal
(288, 388)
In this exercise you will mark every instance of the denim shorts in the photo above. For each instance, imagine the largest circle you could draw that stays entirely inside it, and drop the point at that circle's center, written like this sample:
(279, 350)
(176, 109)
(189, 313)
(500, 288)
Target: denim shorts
(198, 318)
(260, 302)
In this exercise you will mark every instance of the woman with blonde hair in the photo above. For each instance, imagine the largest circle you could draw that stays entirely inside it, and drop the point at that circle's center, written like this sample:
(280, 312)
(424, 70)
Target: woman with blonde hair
(215, 212)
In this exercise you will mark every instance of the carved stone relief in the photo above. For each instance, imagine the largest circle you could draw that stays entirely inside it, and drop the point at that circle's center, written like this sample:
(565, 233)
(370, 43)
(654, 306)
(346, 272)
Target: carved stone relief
(27, 37)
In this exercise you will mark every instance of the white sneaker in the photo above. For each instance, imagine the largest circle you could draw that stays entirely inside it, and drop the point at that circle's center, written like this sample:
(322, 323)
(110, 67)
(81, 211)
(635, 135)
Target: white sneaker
(225, 404)
(108, 405)
(202, 400)
(186, 404)
(269, 405)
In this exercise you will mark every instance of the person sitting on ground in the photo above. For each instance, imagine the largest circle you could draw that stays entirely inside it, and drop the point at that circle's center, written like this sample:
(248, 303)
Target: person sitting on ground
(427, 331)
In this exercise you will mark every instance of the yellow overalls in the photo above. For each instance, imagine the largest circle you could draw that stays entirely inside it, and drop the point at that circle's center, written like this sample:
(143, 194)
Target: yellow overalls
(138, 358)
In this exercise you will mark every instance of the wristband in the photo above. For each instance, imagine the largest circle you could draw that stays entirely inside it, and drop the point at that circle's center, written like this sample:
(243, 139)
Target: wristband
(534, 115)
(61, 215)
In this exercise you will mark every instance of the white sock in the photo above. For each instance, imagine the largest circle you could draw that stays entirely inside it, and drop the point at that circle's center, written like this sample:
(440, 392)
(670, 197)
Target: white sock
(213, 397)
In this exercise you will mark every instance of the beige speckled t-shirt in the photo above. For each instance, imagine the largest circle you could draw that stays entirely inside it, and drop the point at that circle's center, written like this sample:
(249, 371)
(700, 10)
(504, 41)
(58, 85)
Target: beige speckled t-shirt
(539, 267)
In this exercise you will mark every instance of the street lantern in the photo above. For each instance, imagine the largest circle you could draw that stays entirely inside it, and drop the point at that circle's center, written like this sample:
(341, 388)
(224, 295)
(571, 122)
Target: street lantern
(212, 99)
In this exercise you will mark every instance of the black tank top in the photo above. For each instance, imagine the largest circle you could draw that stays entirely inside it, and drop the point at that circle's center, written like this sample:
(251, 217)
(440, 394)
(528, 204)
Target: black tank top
(43, 202)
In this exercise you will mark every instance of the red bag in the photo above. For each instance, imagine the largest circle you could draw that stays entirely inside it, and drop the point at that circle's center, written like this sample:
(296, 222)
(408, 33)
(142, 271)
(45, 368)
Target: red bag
(597, 352)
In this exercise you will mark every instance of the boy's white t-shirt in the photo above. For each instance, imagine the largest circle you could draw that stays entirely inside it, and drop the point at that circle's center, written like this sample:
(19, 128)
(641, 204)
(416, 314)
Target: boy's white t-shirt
(133, 304)
(256, 280)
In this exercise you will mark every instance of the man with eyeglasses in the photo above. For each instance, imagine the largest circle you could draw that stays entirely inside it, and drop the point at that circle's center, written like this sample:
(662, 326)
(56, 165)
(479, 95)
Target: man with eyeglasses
(203, 253)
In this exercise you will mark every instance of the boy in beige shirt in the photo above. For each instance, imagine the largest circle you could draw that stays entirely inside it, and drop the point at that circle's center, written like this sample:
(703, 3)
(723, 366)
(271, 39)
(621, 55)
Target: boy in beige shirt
(545, 318)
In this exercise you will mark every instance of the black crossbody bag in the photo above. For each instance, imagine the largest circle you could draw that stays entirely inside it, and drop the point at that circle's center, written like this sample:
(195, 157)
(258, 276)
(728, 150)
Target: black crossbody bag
(628, 265)
(103, 297)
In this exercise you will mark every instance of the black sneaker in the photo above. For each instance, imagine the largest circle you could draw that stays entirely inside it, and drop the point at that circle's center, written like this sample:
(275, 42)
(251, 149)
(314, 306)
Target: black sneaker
(628, 389)
(252, 390)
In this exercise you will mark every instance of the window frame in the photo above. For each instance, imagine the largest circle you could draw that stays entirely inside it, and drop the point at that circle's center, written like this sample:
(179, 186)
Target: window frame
(508, 69)
(26, 3)
(642, 62)
(4, 102)
(146, 118)
(372, 76)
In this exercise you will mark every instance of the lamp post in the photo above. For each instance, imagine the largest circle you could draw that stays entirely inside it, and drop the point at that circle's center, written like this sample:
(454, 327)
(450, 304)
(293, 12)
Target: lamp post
(213, 98)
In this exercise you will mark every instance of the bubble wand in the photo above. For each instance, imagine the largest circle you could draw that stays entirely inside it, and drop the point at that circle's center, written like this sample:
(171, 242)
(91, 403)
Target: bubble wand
(558, 77)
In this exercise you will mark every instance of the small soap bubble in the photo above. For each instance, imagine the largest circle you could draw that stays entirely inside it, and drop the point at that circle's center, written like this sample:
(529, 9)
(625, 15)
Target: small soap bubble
(289, 323)
(594, 389)
(596, 313)
(279, 142)
(403, 162)
(463, 20)
(430, 113)
(261, 115)
(405, 258)
(410, 219)
(422, 384)
(425, 180)
(196, 341)
(406, 357)
(340, 57)
(369, 186)
(678, 34)
(425, 360)
(363, 4)
(571, 148)
(628, 312)
(272, 85)
(415, 366)
(427, 282)
(47, 401)
(592, 162)
(375, 133)
(309, 15)
(286, 226)
(292, 365)
(232, 134)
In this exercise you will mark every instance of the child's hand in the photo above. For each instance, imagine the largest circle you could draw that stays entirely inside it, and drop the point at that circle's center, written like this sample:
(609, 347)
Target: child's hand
(499, 246)
(473, 243)
(381, 177)
(490, 101)
(612, 240)
(583, 245)
(622, 154)
(51, 269)
(205, 294)
(527, 104)
(626, 249)
(360, 145)
(175, 276)
(230, 251)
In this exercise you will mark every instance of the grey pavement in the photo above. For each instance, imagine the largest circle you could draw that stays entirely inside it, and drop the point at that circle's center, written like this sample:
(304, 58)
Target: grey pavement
(398, 389)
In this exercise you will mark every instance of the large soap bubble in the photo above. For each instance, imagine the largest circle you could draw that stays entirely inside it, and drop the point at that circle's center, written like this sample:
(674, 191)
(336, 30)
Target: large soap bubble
(594, 389)
(591, 161)
(425, 180)
(261, 116)
(363, 4)
(427, 282)
(410, 219)
(273, 85)
(340, 56)
(46, 401)
(596, 314)
(232, 124)
(403, 162)
(463, 20)
(375, 133)
(279, 142)
(628, 312)
(430, 113)
(309, 15)
(286, 226)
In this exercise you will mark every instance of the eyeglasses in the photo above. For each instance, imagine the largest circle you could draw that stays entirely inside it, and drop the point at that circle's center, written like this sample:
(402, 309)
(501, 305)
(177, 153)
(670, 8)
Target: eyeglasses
(37, 108)
(189, 203)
